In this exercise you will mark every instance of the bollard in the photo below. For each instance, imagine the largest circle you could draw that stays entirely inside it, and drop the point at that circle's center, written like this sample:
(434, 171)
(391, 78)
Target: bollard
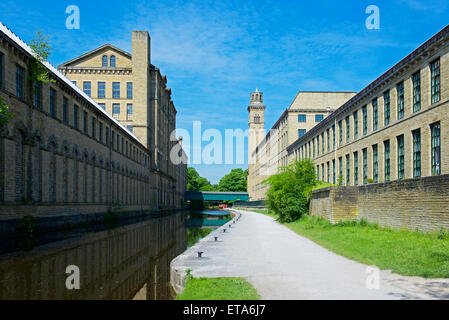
(200, 253)
(224, 230)
(216, 239)
(234, 221)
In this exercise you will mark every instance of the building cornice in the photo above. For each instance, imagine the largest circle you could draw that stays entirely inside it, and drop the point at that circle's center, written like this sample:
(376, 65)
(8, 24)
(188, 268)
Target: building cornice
(93, 70)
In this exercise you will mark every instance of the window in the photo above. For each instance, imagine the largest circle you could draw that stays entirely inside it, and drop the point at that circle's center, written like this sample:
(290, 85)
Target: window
(116, 108)
(365, 120)
(52, 102)
(75, 117)
(435, 81)
(386, 108)
(318, 145)
(301, 132)
(318, 172)
(334, 173)
(100, 131)
(129, 108)
(322, 142)
(400, 92)
(356, 125)
(322, 172)
(416, 153)
(112, 61)
(340, 132)
(416, 78)
(19, 81)
(74, 82)
(104, 61)
(387, 159)
(112, 140)
(356, 168)
(37, 94)
(347, 129)
(319, 117)
(302, 118)
(375, 164)
(375, 115)
(85, 122)
(256, 118)
(333, 136)
(340, 169)
(129, 90)
(365, 166)
(328, 172)
(328, 140)
(65, 103)
(101, 90)
(313, 148)
(102, 106)
(348, 170)
(435, 148)
(107, 136)
(130, 128)
(116, 90)
(93, 128)
(400, 141)
(87, 88)
(1, 69)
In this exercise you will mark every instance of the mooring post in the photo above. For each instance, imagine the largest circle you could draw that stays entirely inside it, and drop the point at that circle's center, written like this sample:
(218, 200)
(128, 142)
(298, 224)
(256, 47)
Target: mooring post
(200, 254)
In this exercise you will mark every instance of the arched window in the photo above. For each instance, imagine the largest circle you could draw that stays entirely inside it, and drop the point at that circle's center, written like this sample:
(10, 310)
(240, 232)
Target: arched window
(256, 118)
(104, 61)
(112, 61)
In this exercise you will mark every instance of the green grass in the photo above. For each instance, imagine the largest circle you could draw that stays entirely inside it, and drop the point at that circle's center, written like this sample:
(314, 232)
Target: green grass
(218, 289)
(409, 253)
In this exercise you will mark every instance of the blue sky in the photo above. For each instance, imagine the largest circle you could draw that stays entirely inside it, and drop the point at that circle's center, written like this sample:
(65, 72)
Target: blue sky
(215, 53)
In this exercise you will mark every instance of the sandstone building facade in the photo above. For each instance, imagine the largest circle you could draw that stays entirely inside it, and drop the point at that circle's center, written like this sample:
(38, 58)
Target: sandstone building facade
(396, 128)
(62, 152)
(267, 152)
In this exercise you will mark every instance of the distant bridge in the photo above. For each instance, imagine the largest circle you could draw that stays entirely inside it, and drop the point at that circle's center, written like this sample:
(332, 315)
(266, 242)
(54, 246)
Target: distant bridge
(216, 196)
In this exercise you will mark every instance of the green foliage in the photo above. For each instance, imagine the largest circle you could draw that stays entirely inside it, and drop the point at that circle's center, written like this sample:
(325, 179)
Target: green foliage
(370, 180)
(288, 193)
(5, 115)
(235, 181)
(340, 180)
(217, 289)
(41, 48)
(197, 183)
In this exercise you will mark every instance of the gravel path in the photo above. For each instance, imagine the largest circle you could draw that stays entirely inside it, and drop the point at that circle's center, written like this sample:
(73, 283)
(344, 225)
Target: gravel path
(283, 265)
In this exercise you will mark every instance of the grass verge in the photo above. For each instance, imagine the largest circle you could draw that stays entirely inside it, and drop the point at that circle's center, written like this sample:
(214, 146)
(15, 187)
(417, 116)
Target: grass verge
(409, 253)
(218, 289)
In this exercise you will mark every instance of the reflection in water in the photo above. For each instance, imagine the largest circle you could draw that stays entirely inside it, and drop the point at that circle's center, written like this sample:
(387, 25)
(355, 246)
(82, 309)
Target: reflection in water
(201, 223)
(114, 264)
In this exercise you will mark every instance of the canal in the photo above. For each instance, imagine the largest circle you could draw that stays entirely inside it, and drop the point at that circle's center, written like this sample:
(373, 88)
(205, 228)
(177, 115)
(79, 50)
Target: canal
(200, 223)
(127, 261)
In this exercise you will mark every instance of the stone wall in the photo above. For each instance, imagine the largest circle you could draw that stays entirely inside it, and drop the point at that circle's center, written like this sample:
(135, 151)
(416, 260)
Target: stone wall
(407, 204)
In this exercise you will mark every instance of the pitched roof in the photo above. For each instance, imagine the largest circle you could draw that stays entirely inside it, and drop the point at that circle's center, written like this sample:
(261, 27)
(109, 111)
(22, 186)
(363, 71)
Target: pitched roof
(93, 52)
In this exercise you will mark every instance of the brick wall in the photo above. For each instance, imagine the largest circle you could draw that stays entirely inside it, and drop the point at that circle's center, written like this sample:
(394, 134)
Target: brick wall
(407, 204)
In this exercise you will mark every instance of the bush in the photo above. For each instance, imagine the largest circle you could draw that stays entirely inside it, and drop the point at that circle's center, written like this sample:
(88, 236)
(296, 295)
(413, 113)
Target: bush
(287, 196)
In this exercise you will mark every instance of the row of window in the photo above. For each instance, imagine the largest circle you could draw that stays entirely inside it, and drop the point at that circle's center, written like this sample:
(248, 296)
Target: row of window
(416, 80)
(104, 61)
(435, 165)
(103, 138)
(303, 118)
(101, 89)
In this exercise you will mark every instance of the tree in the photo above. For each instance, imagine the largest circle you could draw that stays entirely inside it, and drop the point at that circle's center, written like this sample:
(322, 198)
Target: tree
(288, 193)
(197, 183)
(41, 49)
(235, 181)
